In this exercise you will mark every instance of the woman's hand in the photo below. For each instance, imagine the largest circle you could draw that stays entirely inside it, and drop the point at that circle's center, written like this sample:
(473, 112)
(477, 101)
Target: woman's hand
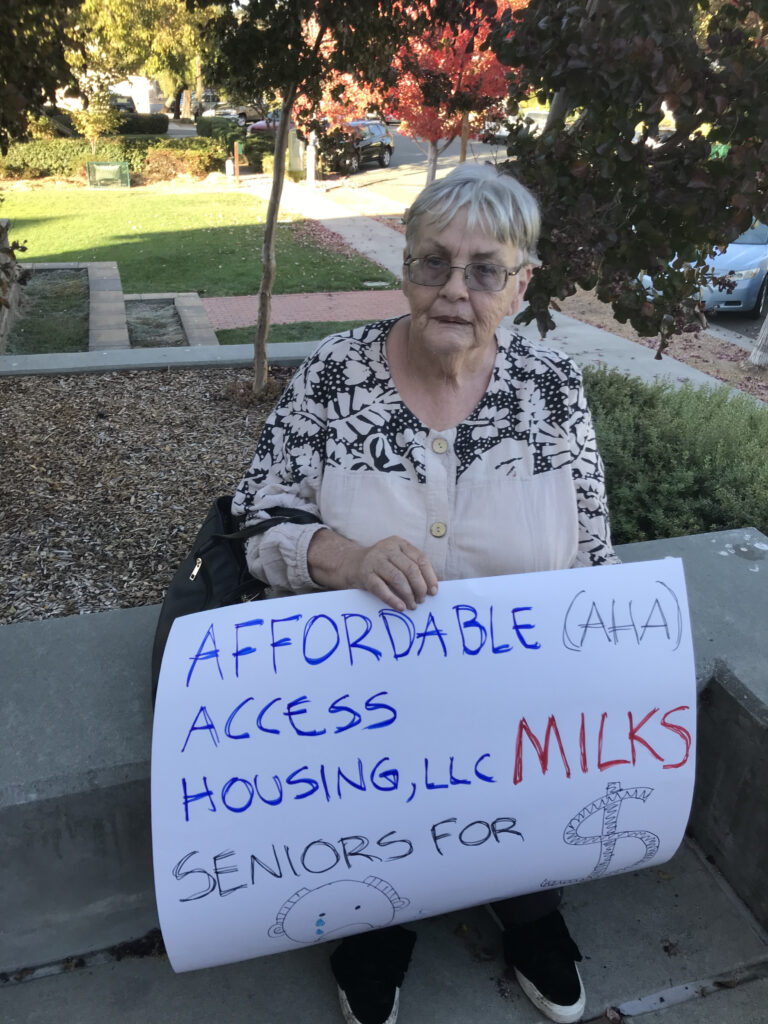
(393, 570)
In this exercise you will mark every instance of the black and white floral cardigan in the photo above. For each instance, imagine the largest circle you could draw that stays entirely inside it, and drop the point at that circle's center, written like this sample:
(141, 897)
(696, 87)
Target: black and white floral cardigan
(517, 487)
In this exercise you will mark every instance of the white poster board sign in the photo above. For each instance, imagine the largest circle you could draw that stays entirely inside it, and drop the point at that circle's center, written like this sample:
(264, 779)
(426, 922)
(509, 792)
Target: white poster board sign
(323, 765)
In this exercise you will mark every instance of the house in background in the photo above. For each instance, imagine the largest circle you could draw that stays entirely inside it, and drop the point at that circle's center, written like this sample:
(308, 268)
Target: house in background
(145, 93)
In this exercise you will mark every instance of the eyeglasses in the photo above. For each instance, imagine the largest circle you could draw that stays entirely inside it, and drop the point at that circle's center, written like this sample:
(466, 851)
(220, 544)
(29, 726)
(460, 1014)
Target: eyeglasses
(434, 272)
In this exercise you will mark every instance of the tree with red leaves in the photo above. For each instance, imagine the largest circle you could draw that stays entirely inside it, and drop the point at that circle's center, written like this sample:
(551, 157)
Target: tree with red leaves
(448, 79)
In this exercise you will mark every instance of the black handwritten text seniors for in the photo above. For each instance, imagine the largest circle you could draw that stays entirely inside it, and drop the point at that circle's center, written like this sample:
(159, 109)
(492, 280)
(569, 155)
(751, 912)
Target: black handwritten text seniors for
(357, 853)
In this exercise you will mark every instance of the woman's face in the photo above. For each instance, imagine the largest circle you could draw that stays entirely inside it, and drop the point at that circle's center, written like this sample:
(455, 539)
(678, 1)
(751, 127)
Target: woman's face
(452, 319)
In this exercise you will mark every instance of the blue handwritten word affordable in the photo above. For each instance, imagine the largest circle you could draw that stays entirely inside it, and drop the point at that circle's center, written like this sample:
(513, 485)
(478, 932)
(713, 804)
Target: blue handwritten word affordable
(359, 640)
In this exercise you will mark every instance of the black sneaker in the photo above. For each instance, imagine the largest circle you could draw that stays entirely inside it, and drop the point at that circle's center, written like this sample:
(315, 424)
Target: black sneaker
(543, 956)
(369, 969)
(369, 1004)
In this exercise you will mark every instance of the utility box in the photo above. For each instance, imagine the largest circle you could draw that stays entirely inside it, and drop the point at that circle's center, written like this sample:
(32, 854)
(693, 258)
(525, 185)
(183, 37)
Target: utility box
(296, 154)
(108, 175)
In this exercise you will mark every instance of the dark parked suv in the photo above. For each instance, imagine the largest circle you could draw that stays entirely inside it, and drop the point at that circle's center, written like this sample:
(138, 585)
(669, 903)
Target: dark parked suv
(358, 142)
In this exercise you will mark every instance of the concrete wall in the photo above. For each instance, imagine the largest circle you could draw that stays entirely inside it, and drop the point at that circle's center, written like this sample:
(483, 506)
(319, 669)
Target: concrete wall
(75, 755)
(729, 818)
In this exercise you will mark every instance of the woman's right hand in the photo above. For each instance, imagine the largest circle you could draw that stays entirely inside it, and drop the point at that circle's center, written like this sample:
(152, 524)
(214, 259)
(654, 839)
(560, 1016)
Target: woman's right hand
(393, 570)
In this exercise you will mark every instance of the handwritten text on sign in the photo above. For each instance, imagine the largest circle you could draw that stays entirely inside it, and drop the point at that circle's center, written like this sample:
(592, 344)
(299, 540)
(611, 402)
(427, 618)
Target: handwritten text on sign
(322, 765)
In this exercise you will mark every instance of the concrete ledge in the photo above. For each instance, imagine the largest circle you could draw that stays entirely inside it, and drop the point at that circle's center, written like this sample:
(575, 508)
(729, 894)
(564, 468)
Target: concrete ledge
(727, 581)
(728, 818)
(74, 795)
(75, 741)
(289, 354)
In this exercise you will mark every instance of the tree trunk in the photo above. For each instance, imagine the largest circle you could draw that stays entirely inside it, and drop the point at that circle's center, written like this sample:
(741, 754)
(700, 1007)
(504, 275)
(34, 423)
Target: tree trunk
(464, 137)
(431, 162)
(186, 104)
(759, 354)
(561, 101)
(557, 110)
(198, 85)
(269, 266)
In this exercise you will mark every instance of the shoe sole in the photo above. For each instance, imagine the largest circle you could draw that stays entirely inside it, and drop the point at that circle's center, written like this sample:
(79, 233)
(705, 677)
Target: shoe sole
(349, 1014)
(559, 1014)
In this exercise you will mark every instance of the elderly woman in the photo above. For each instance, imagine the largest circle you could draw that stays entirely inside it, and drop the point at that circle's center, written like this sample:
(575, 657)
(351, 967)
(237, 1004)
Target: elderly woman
(438, 446)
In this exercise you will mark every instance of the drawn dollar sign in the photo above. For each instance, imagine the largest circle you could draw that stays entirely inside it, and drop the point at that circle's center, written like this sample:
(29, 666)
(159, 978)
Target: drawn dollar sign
(608, 837)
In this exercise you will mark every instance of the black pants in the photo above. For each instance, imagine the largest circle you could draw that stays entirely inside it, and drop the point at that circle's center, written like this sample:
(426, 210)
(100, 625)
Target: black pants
(525, 909)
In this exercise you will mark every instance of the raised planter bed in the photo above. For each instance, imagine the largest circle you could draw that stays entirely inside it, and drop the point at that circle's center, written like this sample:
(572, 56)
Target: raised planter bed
(98, 318)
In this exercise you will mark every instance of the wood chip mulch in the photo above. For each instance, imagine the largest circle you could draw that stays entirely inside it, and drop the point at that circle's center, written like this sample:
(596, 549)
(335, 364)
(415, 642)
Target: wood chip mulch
(106, 478)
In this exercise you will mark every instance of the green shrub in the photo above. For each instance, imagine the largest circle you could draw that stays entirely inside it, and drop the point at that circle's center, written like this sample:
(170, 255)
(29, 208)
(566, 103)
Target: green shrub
(68, 157)
(163, 163)
(679, 462)
(143, 124)
(258, 149)
(267, 143)
(218, 128)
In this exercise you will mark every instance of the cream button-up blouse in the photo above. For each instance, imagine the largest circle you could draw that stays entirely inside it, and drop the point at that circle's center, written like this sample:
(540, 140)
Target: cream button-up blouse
(517, 487)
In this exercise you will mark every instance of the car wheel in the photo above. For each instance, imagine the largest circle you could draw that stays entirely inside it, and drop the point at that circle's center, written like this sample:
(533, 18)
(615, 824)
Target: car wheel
(760, 307)
(385, 156)
(242, 120)
(353, 163)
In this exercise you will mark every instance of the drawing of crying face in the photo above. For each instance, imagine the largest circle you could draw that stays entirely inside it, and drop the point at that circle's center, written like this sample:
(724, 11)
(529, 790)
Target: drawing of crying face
(337, 909)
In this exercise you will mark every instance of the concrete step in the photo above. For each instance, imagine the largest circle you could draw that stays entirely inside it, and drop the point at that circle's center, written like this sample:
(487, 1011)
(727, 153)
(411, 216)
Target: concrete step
(657, 934)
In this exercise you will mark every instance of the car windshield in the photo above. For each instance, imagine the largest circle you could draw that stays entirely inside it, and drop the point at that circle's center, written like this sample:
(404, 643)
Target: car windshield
(756, 235)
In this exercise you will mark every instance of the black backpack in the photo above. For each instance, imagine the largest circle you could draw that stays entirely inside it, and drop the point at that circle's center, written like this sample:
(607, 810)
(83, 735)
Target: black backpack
(215, 573)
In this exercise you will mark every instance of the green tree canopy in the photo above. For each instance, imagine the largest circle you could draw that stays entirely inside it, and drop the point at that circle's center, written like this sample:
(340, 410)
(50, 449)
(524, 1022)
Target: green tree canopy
(292, 48)
(621, 196)
(33, 64)
(158, 38)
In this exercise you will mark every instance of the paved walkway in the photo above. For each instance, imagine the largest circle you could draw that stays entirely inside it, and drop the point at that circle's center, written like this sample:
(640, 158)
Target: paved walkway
(231, 311)
(350, 212)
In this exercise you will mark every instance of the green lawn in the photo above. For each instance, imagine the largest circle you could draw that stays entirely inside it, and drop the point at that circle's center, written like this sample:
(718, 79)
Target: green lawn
(305, 331)
(207, 242)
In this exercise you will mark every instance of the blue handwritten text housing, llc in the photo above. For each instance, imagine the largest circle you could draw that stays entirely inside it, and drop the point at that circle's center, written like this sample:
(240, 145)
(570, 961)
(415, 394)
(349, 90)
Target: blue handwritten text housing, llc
(358, 638)
(240, 794)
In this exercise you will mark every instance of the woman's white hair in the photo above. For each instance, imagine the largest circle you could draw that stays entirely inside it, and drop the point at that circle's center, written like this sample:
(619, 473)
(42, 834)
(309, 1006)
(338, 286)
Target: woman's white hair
(493, 200)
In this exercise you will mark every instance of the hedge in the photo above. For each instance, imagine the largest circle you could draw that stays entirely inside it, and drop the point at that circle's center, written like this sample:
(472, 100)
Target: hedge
(679, 462)
(143, 124)
(68, 157)
(218, 127)
(260, 152)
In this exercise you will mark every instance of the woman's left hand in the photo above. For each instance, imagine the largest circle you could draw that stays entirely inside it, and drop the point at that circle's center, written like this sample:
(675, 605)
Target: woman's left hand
(393, 569)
